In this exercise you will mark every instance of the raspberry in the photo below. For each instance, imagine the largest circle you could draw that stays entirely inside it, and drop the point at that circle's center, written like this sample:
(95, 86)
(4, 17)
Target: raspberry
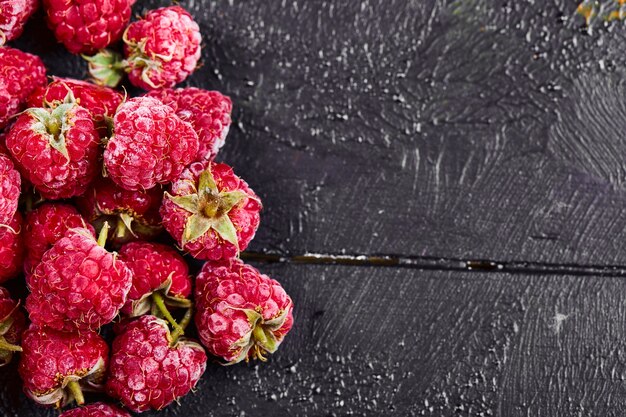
(57, 366)
(84, 26)
(241, 313)
(161, 50)
(11, 248)
(20, 74)
(10, 183)
(78, 285)
(96, 410)
(56, 149)
(44, 226)
(151, 367)
(13, 17)
(12, 325)
(156, 269)
(101, 101)
(150, 145)
(211, 212)
(134, 214)
(207, 111)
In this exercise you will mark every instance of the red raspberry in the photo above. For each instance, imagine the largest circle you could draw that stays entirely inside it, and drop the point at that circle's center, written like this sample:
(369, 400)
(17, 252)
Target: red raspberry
(11, 248)
(56, 149)
(211, 212)
(13, 17)
(78, 284)
(101, 101)
(96, 410)
(161, 50)
(151, 367)
(20, 74)
(84, 26)
(133, 214)
(56, 366)
(158, 269)
(150, 145)
(241, 313)
(44, 226)
(12, 325)
(207, 111)
(10, 183)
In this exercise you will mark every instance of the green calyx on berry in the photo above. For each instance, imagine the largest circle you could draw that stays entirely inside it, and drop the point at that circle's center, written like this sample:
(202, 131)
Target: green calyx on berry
(7, 349)
(261, 339)
(209, 207)
(160, 310)
(106, 67)
(54, 124)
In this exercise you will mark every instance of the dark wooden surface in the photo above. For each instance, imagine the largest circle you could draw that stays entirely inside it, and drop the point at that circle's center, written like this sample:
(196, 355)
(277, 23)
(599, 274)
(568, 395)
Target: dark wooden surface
(463, 163)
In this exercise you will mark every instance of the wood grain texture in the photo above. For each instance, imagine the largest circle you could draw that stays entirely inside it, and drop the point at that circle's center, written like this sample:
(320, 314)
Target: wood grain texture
(372, 341)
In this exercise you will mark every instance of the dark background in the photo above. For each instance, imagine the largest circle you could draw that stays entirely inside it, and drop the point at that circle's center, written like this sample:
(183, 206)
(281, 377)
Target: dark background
(443, 184)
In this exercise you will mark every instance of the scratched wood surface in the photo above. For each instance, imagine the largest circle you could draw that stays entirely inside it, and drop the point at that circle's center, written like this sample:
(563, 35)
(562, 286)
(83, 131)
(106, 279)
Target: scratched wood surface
(463, 160)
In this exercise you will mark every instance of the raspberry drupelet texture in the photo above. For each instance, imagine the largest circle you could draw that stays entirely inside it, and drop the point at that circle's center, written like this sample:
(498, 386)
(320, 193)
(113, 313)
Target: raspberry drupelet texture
(102, 102)
(151, 367)
(132, 214)
(207, 111)
(11, 248)
(84, 26)
(150, 145)
(241, 313)
(96, 410)
(10, 183)
(12, 325)
(162, 49)
(56, 149)
(57, 366)
(78, 285)
(156, 268)
(20, 74)
(13, 17)
(44, 226)
(211, 212)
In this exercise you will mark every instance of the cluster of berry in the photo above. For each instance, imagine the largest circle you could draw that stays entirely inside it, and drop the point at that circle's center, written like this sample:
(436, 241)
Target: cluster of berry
(85, 171)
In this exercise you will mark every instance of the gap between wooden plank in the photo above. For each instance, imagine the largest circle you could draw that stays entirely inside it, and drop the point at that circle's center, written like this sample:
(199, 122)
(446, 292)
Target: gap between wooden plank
(439, 264)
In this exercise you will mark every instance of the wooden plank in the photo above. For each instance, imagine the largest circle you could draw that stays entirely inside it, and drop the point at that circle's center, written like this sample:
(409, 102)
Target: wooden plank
(386, 341)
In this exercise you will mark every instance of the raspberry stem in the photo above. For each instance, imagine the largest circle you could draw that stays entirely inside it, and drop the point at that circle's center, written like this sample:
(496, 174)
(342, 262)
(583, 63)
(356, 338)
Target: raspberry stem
(102, 236)
(4, 345)
(182, 326)
(77, 393)
(160, 303)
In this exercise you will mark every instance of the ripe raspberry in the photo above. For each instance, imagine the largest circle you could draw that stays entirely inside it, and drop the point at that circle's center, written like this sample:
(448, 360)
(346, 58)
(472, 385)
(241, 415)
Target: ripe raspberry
(10, 183)
(150, 145)
(151, 367)
(241, 313)
(211, 212)
(57, 366)
(84, 26)
(207, 111)
(56, 149)
(101, 101)
(12, 325)
(96, 410)
(11, 248)
(133, 214)
(13, 17)
(44, 226)
(78, 284)
(20, 74)
(158, 271)
(161, 50)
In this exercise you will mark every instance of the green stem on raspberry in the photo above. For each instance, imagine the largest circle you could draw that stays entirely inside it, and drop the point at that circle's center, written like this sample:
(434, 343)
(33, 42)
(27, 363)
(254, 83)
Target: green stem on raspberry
(182, 326)
(77, 393)
(160, 303)
(102, 237)
(4, 345)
